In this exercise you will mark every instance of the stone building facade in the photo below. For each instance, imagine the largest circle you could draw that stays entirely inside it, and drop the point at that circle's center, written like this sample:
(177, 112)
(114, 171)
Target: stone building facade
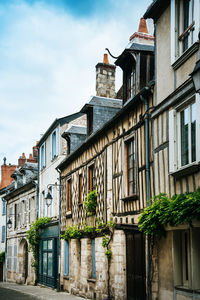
(21, 212)
(175, 142)
(112, 160)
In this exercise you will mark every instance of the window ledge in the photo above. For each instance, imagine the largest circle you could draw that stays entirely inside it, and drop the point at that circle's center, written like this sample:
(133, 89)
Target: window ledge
(130, 198)
(66, 277)
(54, 158)
(93, 280)
(185, 56)
(187, 290)
(187, 170)
(68, 214)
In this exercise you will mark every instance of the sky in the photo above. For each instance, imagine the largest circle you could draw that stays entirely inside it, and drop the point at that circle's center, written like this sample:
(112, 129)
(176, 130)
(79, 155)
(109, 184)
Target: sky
(48, 53)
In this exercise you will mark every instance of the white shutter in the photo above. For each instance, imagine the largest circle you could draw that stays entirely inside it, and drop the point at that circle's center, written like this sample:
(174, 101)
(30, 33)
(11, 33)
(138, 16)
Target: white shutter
(172, 141)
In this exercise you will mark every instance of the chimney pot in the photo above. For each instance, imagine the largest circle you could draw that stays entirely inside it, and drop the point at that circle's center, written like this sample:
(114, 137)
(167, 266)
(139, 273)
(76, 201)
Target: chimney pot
(105, 59)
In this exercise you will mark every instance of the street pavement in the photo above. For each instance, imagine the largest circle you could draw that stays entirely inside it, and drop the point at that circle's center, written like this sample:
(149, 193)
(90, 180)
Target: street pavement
(13, 291)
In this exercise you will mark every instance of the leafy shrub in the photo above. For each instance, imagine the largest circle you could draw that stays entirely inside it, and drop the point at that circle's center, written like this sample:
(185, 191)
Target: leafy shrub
(90, 203)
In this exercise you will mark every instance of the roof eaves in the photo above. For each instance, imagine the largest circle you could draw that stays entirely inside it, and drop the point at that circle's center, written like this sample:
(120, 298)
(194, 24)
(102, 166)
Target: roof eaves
(156, 8)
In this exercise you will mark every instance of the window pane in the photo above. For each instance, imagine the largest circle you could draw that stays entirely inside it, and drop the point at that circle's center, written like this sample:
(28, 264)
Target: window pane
(45, 263)
(44, 245)
(50, 264)
(131, 188)
(53, 144)
(184, 137)
(49, 244)
(193, 131)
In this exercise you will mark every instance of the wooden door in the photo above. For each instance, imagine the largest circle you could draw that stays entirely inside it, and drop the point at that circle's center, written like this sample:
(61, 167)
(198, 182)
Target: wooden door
(25, 261)
(135, 258)
(1, 271)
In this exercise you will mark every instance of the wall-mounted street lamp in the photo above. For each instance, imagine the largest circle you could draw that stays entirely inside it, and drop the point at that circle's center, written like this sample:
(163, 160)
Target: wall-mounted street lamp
(9, 224)
(49, 197)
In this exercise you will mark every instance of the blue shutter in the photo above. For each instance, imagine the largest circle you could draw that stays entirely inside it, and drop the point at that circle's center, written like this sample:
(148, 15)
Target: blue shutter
(3, 207)
(66, 258)
(3, 233)
(93, 260)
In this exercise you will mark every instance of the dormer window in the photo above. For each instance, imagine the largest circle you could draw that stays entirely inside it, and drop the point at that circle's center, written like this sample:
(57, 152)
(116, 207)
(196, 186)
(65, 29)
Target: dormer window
(131, 83)
(90, 121)
(54, 144)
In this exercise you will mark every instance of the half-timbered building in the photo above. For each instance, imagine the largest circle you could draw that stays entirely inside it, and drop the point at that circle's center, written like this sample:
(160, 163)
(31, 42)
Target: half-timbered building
(175, 142)
(116, 161)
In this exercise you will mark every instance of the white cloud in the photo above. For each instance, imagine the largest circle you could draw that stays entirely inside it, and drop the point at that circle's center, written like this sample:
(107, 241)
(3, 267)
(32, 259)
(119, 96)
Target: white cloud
(47, 66)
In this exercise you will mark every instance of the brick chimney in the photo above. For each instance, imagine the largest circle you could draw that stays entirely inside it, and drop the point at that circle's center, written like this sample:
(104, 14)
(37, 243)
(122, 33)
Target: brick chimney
(142, 36)
(35, 151)
(6, 172)
(105, 79)
(21, 160)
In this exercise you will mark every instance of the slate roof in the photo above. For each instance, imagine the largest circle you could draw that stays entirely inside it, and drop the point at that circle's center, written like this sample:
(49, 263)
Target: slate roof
(77, 130)
(141, 47)
(102, 101)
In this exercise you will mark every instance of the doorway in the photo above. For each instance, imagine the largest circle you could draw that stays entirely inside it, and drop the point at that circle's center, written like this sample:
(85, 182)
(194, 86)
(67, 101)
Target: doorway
(135, 266)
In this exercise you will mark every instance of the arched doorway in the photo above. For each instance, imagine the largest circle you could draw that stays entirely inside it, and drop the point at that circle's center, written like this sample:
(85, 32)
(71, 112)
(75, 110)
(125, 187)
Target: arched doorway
(23, 260)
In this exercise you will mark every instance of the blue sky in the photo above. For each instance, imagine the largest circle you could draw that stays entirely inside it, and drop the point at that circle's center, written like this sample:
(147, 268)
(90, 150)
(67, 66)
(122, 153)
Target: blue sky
(48, 53)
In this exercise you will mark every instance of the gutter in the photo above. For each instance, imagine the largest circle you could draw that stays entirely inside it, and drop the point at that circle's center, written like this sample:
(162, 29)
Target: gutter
(147, 174)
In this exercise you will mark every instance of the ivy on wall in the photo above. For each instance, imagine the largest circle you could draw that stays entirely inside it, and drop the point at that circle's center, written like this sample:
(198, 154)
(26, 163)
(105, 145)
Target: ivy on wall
(164, 211)
(33, 236)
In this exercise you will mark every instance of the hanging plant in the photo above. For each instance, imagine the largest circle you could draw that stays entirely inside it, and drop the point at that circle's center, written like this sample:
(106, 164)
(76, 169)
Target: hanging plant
(72, 232)
(90, 203)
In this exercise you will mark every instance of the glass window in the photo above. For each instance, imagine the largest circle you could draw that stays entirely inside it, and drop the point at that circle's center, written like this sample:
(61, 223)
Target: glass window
(69, 194)
(91, 176)
(45, 263)
(53, 144)
(42, 156)
(80, 188)
(131, 167)
(188, 134)
(50, 264)
(44, 245)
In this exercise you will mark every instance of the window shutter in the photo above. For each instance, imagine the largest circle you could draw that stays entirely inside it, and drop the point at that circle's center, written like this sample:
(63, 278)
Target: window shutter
(3, 234)
(171, 141)
(66, 258)
(93, 260)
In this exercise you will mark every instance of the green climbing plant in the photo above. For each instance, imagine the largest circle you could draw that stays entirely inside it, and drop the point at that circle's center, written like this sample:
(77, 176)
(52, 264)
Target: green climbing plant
(33, 235)
(90, 203)
(173, 211)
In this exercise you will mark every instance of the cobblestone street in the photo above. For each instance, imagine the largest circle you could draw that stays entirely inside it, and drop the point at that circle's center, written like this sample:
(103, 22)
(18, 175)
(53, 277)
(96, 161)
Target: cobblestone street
(12, 291)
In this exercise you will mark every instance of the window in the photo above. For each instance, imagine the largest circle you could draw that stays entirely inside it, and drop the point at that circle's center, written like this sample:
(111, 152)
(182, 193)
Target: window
(42, 156)
(9, 258)
(3, 234)
(15, 258)
(184, 25)
(54, 144)
(186, 262)
(91, 183)
(66, 258)
(93, 260)
(69, 194)
(80, 188)
(3, 207)
(131, 167)
(183, 135)
(130, 83)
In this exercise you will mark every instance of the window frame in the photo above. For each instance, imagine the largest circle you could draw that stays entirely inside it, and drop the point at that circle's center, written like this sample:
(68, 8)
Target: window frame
(80, 188)
(134, 167)
(175, 134)
(43, 156)
(176, 37)
(69, 194)
(91, 177)
(3, 233)
(54, 152)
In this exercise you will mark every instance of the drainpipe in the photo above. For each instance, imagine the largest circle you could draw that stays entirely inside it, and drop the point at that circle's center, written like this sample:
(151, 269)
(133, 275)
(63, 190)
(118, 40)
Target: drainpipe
(59, 223)
(147, 180)
(5, 273)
